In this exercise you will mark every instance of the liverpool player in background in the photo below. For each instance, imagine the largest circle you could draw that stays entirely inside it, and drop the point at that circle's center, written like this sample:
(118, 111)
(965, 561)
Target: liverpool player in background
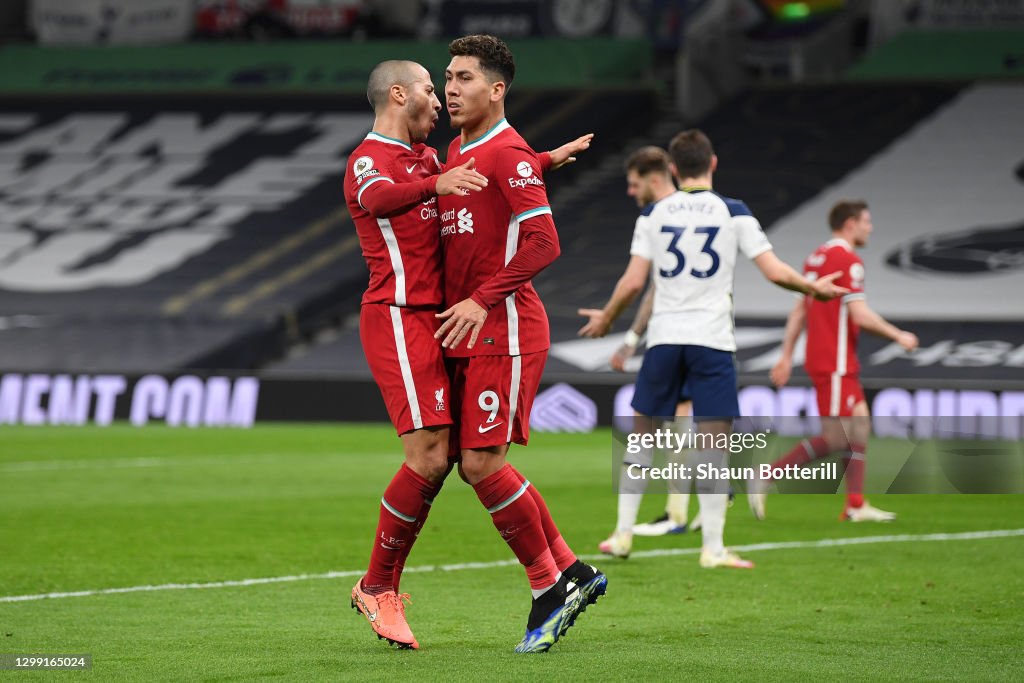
(832, 328)
(495, 241)
(390, 184)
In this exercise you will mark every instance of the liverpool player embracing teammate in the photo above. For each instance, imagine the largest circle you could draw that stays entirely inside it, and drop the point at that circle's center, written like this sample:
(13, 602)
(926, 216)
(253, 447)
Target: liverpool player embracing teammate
(390, 185)
(495, 241)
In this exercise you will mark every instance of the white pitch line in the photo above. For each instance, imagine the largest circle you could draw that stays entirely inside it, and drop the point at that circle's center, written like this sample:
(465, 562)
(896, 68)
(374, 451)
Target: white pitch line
(118, 463)
(753, 547)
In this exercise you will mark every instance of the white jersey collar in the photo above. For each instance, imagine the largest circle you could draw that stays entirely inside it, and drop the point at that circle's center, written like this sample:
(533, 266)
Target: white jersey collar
(386, 140)
(839, 242)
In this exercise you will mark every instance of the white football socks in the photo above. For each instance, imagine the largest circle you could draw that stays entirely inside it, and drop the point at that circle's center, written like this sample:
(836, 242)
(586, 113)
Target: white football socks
(712, 516)
(631, 490)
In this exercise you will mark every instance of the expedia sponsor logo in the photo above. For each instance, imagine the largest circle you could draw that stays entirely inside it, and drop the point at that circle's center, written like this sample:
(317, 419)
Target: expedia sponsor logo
(981, 250)
(523, 182)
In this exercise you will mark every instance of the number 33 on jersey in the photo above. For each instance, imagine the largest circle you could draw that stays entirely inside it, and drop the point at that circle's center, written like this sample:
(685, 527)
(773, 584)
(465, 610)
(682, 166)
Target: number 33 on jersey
(692, 238)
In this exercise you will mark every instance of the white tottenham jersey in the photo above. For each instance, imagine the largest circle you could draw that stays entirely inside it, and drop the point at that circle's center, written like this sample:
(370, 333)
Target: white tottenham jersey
(692, 238)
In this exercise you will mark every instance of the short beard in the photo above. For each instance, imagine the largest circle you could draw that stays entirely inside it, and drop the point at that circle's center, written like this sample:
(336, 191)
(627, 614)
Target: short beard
(416, 110)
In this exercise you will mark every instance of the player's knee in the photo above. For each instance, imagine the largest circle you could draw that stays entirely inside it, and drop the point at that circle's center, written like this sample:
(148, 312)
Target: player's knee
(431, 461)
(463, 476)
(476, 467)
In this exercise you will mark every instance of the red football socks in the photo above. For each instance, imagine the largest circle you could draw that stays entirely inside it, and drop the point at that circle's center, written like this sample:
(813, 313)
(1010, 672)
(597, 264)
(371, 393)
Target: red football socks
(804, 452)
(854, 461)
(516, 517)
(421, 519)
(560, 551)
(400, 509)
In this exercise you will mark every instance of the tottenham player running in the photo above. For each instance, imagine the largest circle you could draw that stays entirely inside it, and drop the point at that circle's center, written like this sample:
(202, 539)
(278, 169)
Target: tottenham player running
(832, 330)
(692, 239)
(495, 242)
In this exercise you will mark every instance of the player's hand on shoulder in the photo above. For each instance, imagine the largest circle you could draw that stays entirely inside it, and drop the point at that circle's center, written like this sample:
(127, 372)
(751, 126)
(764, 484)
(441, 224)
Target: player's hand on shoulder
(825, 287)
(908, 340)
(566, 153)
(597, 325)
(465, 317)
(461, 180)
(781, 372)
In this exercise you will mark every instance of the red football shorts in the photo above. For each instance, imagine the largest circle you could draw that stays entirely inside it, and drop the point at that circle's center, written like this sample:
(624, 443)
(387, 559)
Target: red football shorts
(494, 395)
(837, 394)
(407, 364)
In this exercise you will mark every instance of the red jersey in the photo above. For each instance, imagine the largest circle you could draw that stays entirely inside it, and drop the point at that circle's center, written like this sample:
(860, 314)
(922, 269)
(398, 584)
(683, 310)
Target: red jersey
(389, 188)
(496, 240)
(831, 335)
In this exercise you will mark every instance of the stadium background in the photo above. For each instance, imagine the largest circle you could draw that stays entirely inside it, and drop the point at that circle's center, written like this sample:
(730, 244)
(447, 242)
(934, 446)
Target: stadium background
(174, 246)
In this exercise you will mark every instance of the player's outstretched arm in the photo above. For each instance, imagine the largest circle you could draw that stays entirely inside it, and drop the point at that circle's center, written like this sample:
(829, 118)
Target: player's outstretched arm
(461, 180)
(868, 320)
(634, 333)
(783, 275)
(626, 290)
(782, 370)
(566, 154)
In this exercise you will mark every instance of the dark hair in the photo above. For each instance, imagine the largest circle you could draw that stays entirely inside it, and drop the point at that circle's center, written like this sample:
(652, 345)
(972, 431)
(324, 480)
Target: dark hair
(691, 153)
(649, 159)
(844, 210)
(495, 57)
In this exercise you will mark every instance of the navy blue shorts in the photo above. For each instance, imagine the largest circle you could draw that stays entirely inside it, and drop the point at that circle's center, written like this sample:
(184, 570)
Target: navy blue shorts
(709, 376)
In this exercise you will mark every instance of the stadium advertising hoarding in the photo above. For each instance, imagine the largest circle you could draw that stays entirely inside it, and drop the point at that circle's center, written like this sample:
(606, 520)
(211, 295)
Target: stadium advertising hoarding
(951, 354)
(192, 400)
(97, 22)
(185, 400)
(307, 66)
(891, 16)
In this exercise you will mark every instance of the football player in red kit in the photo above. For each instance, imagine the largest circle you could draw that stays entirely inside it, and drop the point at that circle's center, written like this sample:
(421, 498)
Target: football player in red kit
(832, 329)
(391, 180)
(391, 183)
(495, 330)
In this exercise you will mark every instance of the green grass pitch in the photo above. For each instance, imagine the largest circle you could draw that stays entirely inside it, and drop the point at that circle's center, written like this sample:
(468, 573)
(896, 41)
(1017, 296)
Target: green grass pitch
(84, 509)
